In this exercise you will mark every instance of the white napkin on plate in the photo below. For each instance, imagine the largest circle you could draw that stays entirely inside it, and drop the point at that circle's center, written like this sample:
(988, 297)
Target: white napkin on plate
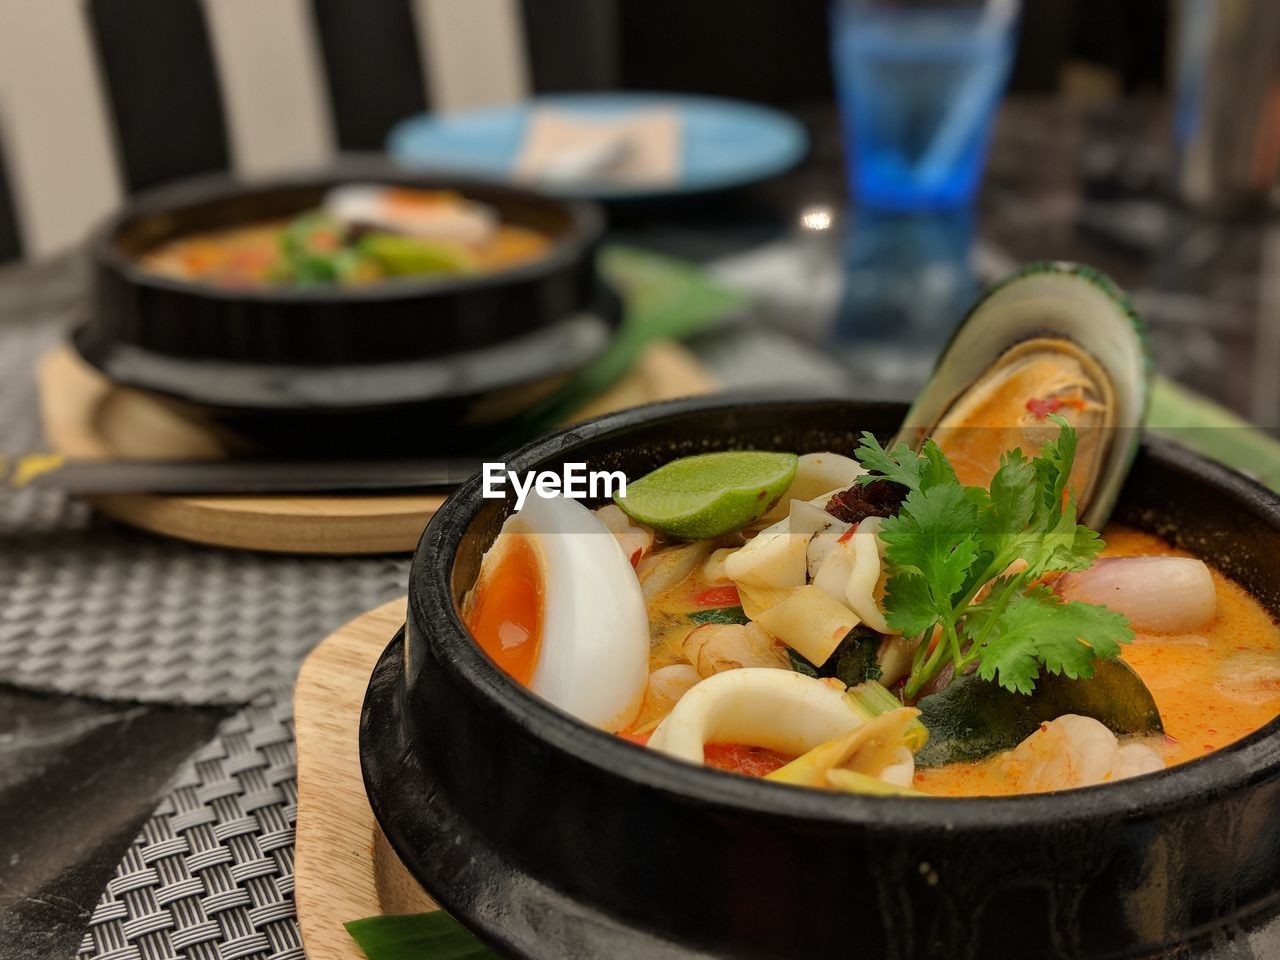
(640, 148)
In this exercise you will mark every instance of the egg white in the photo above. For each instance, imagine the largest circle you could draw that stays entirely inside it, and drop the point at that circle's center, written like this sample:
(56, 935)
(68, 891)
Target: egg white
(593, 660)
(366, 205)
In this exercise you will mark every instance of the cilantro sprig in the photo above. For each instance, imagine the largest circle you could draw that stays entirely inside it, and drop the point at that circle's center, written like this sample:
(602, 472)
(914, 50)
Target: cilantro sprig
(965, 563)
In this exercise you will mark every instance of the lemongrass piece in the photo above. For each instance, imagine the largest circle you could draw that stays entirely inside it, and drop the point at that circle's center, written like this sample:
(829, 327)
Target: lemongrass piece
(818, 473)
(716, 647)
(810, 622)
(895, 656)
(1160, 594)
(868, 749)
(871, 699)
(850, 781)
(758, 707)
(775, 557)
(863, 588)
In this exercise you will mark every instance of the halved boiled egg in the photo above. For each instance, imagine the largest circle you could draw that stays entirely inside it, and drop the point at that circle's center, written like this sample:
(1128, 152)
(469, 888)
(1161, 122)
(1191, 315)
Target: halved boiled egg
(430, 214)
(557, 606)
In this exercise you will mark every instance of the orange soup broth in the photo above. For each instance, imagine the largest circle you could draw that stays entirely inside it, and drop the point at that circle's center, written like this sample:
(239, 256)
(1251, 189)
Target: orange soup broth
(669, 625)
(245, 256)
(1184, 672)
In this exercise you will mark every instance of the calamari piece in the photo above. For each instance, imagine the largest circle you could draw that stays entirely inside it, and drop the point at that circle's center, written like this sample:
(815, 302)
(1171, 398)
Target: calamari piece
(809, 621)
(1075, 751)
(865, 590)
(757, 707)
(775, 557)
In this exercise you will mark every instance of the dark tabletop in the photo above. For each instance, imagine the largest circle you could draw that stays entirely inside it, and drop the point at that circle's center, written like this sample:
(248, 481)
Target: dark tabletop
(863, 304)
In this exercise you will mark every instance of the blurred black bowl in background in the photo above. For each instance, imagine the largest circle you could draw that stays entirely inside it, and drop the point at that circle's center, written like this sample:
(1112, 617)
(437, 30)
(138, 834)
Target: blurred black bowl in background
(348, 367)
(382, 322)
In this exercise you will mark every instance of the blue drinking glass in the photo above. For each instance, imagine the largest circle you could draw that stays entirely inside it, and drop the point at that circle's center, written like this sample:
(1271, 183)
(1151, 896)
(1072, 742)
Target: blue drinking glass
(918, 88)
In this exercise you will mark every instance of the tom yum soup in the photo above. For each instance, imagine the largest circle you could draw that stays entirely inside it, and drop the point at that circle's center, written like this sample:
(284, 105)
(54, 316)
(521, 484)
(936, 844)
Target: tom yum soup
(882, 624)
(359, 234)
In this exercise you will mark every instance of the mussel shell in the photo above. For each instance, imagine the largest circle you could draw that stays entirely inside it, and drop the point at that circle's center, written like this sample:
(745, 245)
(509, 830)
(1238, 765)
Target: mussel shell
(1051, 301)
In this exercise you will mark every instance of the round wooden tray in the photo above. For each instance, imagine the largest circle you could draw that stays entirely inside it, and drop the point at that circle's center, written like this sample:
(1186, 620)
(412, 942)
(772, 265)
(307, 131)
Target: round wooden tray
(86, 415)
(344, 868)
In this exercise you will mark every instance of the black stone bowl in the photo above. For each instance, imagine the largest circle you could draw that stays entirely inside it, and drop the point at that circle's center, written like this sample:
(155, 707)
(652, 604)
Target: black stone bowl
(393, 321)
(553, 839)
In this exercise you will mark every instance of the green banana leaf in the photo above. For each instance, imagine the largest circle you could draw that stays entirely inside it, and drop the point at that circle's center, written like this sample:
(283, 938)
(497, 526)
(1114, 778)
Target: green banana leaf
(1213, 431)
(416, 936)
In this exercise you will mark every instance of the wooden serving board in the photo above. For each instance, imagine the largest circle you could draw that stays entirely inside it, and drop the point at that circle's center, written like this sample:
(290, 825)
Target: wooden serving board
(86, 415)
(344, 868)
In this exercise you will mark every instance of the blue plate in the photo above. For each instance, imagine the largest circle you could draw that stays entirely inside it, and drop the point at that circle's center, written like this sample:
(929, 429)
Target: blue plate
(724, 143)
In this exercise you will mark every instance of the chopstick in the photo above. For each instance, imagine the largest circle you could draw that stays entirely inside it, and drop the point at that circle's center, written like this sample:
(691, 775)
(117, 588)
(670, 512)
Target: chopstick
(89, 476)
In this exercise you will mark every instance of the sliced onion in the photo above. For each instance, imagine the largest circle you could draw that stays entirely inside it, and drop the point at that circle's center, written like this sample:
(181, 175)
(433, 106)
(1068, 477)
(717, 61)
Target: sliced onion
(1160, 594)
(757, 707)
(659, 572)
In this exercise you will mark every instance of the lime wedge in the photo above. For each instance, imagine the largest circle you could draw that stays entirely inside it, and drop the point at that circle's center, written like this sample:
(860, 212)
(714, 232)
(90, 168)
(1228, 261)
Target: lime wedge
(711, 494)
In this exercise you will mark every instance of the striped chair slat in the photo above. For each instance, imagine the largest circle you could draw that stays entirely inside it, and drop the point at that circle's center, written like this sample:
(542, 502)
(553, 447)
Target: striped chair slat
(10, 234)
(372, 66)
(161, 81)
(572, 44)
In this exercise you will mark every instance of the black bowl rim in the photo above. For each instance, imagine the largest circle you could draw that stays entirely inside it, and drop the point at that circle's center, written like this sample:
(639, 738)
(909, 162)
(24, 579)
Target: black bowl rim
(586, 228)
(1254, 757)
(606, 312)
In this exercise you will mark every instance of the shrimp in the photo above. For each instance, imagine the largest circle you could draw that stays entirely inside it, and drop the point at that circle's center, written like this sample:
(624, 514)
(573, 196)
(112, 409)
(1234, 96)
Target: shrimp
(1074, 751)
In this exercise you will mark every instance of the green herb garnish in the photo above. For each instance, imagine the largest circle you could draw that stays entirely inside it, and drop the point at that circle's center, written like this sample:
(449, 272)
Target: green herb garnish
(720, 615)
(950, 541)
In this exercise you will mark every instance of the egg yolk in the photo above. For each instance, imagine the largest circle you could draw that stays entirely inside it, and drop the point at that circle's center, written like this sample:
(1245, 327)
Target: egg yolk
(506, 618)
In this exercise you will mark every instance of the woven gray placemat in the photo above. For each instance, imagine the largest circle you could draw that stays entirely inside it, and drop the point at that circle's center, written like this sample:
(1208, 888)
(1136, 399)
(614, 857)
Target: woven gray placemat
(210, 877)
(93, 607)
